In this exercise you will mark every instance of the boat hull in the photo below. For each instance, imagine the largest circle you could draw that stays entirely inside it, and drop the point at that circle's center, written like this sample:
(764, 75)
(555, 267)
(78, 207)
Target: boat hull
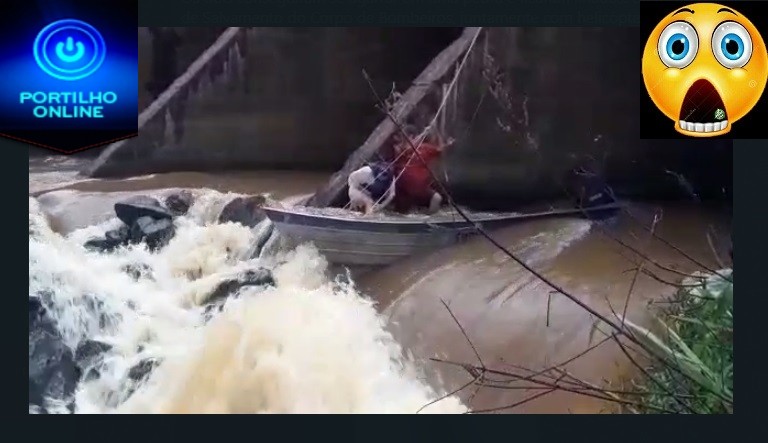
(358, 241)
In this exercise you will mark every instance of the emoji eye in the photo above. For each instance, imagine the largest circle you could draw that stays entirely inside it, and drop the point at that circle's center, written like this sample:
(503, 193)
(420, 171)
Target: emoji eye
(678, 45)
(731, 45)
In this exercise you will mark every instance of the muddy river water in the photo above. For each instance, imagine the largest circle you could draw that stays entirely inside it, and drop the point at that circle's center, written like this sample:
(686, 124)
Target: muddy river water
(509, 318)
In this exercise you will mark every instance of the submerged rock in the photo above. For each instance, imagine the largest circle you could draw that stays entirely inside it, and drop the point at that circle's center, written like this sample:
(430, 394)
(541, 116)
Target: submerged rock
(137, 374)
(119, 235)
(142, 369)
(263, 232)
(138, 271)
(179, 203)
(134, 208)
(88, 355)
(254, 277)
(89, 351)
(98, 309)
(244, 210)
(53, 372)
(155, 233)
(35, 308)
(112, 240)
(100, 245)
(211, 310)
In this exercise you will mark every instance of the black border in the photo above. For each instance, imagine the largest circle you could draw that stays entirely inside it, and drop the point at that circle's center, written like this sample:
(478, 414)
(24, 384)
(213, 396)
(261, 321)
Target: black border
(389, 13)
(751, 182)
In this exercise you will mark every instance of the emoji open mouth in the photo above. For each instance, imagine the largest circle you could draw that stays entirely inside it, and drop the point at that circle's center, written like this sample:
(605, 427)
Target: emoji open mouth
(703, 110)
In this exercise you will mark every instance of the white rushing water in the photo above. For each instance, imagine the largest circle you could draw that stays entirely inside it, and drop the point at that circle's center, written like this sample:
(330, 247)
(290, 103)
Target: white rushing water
(308, 345)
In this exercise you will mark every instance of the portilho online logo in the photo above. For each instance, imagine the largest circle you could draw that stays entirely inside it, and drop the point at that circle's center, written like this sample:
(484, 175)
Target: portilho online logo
(69, 49)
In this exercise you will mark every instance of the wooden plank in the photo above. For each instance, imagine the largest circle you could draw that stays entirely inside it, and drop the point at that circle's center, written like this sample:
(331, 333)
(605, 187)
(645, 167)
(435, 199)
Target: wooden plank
(440, 66)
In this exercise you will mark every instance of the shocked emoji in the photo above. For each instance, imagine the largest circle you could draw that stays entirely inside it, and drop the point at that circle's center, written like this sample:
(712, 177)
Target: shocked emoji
(705, 66)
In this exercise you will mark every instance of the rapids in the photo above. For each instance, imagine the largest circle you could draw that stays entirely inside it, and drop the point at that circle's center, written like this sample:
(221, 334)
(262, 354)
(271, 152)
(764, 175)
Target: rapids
(309, 345)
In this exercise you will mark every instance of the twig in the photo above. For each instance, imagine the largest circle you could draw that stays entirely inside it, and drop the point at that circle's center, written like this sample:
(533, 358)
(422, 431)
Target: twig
(653, 379)
(474, 349)
(627, 246)
(582, 353)
(634, 277)
(586, 393)
(583, 392)
(641, 254)
(514, 405)
(714, 250)
(677, 285)
(477, 354)
(487, 236)
(450, 394)
(677, 249)
(549, 300)
(472, 396)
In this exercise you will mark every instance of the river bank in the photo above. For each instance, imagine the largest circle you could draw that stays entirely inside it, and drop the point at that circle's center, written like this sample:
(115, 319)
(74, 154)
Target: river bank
(695, 340)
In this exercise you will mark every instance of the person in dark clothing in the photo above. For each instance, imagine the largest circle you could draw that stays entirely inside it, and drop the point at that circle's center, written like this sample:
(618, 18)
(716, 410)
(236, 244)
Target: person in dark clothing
(372, 187)
(589, 189)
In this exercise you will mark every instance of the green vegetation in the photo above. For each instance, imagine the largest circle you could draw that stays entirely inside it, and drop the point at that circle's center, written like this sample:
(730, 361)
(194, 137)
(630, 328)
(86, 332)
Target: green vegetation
(695, 340)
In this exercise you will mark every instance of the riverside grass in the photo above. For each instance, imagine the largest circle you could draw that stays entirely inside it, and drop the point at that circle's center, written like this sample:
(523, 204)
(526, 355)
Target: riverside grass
(696, 339)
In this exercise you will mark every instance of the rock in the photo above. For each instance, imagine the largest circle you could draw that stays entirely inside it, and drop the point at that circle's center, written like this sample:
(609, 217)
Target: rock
(142, 369)
(263, 233)
(90, 352)
(97, 309)
(119, 235)
(100, 245)
(255, 277)
(136, 375)
(36, 309)
(179, 203)
(112, 239)
(52, 369)
(155, 233)
(244, 210)
(138, 271)
(88, 355)
(145, 221)
(211, 310)
(132, 209)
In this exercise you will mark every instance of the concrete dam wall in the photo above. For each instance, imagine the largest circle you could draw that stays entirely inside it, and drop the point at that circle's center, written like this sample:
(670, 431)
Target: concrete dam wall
(529, 104)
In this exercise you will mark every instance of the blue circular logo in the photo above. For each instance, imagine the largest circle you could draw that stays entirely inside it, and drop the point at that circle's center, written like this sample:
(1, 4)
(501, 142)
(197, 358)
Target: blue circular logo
(69, 49)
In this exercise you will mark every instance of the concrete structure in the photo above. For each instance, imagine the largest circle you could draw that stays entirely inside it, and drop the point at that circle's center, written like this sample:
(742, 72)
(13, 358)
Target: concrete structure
(531, 102)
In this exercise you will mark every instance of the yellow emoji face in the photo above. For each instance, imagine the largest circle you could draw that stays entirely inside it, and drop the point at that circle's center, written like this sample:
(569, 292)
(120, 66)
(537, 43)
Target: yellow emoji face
(705, 66)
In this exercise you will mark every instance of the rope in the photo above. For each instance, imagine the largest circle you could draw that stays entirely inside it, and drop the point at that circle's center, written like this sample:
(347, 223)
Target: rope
(423, 135)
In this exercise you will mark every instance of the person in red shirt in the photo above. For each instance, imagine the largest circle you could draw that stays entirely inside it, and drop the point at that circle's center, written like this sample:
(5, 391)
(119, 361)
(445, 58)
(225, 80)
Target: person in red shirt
(415, 187)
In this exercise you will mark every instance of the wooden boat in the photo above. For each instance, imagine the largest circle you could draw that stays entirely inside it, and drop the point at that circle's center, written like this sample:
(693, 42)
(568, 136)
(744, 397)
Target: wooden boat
(352, 239)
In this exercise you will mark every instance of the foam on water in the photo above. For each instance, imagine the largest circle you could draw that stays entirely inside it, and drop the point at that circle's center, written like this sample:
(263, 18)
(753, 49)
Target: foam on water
(308, 345)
